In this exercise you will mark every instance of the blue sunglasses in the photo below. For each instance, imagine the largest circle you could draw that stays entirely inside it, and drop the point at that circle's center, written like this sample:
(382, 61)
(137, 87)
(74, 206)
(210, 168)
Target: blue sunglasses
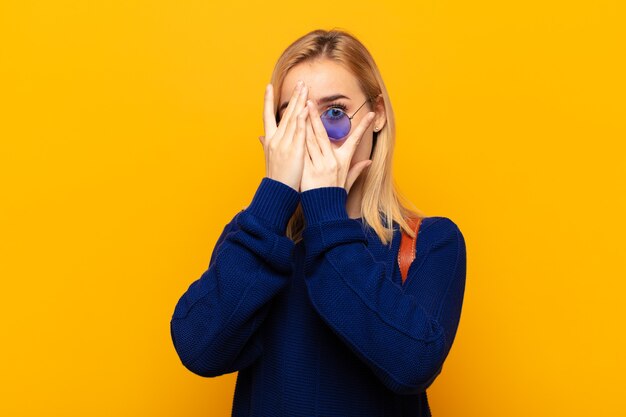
(336, 122)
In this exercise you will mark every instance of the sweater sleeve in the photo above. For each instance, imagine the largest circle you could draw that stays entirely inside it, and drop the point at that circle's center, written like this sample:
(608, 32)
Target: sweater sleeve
(215, 320)
(403, 333)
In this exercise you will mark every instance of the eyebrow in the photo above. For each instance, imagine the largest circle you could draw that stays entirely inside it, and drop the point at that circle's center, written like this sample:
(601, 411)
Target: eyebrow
(321, 100)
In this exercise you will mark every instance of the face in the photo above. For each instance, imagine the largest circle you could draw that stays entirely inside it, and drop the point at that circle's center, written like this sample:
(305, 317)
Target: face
(326, 79)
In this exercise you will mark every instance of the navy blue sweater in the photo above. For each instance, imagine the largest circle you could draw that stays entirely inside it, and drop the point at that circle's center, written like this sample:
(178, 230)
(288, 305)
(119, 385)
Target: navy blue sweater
(324, 327)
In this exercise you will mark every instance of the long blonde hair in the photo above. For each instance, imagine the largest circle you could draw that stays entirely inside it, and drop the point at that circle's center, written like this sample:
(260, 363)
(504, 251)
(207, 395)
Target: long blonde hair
(382, 203)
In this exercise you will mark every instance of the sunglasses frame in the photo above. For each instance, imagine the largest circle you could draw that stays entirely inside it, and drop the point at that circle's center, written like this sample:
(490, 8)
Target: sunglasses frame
(278, 118)
(346, 114)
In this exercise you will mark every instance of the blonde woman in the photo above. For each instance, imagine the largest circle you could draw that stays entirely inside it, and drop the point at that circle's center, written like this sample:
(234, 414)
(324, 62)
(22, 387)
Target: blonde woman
(303, 295)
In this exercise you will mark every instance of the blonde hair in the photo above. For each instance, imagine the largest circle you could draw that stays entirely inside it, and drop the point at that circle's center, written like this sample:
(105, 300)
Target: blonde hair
(382, 203)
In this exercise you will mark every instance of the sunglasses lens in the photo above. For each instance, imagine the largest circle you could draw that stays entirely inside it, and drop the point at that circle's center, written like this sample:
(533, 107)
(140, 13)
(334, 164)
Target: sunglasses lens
(336, 122)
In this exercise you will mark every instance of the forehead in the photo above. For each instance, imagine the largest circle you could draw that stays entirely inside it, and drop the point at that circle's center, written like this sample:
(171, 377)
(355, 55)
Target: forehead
(323, 78)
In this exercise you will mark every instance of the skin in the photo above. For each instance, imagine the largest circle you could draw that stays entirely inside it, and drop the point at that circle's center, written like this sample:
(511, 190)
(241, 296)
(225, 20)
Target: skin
(298, 151)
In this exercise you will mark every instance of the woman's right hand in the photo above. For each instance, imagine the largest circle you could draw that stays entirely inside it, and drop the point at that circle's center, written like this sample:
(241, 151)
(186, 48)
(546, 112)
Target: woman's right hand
(284, 144)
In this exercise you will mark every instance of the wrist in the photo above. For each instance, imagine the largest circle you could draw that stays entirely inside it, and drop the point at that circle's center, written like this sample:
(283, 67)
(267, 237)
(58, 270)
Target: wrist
(274, 202)
(324, 204)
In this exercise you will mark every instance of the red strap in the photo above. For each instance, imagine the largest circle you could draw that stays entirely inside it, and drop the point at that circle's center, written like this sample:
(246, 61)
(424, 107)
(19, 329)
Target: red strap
(406, 254)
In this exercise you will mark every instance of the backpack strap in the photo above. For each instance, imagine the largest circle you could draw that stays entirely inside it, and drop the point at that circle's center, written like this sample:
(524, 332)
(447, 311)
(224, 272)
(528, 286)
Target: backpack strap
(406, 253)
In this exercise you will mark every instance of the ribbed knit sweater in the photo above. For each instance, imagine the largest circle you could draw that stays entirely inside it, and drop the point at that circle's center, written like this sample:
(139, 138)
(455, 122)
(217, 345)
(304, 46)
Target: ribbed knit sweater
(324, 327)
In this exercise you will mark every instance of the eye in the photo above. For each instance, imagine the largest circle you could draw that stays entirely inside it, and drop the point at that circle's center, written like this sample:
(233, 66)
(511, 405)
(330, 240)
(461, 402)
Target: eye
(335, 111)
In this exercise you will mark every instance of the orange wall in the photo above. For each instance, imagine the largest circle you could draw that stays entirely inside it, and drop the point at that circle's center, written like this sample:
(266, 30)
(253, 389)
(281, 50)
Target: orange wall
(126, 127)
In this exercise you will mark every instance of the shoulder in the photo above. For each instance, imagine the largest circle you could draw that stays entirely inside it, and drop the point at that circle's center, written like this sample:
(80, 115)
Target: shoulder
(439, 227)
(439, 256)
(440, 241)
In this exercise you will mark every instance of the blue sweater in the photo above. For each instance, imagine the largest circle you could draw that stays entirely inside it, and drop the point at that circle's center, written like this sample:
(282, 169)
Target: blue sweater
(324, 327)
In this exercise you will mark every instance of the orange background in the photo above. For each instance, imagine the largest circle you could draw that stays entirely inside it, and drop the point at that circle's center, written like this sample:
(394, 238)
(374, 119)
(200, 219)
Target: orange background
(129, 135)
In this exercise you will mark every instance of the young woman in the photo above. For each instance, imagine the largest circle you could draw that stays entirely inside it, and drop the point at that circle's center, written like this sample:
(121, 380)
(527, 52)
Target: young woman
(304, 294)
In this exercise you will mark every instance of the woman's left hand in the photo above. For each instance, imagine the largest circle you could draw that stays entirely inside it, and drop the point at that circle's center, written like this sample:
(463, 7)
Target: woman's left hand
(328, 167)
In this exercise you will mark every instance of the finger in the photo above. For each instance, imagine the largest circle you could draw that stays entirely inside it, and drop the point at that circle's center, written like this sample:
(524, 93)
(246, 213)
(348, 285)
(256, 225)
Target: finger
(311, 143)
(355, 138)
(307, 158)
(284, 120)
(299, 136)
(319, 129)
(292, 123)
(269, 120)
(306, 169)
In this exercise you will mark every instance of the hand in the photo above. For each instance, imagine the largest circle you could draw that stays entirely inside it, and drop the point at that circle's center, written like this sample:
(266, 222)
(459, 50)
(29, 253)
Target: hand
(284, 145)
(325, 166)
